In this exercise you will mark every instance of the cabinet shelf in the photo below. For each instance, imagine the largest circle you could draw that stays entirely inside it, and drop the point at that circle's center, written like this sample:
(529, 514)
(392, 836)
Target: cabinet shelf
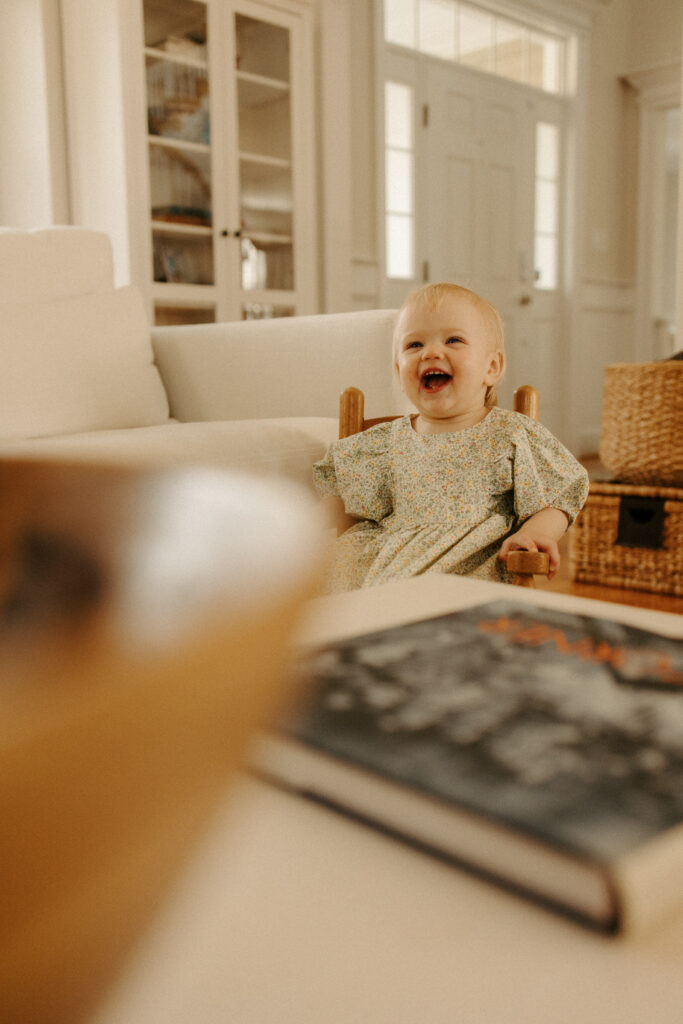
(167, 142)
(255, 90)
(267, 238)
(178, 229)
(190, 295)
(267, 207)
(270, 297)
(176, 58)
(274, 162)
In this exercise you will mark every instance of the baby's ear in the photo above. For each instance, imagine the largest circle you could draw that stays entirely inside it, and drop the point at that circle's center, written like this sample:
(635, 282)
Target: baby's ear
(496, 364)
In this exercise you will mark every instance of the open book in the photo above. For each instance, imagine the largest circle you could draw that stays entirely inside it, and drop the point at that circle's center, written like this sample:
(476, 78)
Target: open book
(541, 749)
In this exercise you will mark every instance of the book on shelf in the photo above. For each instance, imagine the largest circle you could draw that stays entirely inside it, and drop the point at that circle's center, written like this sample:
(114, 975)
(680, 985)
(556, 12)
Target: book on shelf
(541, 749)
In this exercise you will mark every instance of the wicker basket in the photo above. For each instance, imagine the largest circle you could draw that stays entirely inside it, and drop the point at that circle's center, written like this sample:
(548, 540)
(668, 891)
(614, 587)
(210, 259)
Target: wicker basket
(629, 536)
(642, 423)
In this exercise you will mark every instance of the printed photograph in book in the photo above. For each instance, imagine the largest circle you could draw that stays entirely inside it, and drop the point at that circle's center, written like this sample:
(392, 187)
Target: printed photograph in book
(565, 727)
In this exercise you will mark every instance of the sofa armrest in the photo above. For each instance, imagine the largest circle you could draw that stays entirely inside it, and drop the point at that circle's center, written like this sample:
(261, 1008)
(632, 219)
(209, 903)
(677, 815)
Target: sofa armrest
(264, 369)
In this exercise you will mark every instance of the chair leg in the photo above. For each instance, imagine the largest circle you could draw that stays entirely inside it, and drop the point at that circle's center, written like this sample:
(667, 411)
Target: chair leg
(351, 412)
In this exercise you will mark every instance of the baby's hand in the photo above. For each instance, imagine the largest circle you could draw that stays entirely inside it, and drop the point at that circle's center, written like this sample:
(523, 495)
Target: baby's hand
(524, 541)
(539, 532)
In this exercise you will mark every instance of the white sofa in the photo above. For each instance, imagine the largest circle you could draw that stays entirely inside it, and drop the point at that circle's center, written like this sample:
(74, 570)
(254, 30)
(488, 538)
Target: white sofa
(84, 377)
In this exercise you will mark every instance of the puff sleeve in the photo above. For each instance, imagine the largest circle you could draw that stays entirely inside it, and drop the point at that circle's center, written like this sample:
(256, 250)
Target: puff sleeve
(546, 474)
(358, 470)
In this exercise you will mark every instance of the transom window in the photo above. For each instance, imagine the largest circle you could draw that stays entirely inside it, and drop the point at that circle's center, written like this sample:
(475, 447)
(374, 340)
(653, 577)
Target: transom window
(461, 32)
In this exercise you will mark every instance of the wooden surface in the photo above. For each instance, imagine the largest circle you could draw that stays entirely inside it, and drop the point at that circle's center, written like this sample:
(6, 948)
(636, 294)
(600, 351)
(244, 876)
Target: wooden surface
(142, 640)
(351, 411)
(293, 914)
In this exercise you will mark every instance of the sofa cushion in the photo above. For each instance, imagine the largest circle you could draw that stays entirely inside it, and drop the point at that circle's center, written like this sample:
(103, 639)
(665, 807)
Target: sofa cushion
(278, 447)
(287, 366)
(81, 363)
(53, 263)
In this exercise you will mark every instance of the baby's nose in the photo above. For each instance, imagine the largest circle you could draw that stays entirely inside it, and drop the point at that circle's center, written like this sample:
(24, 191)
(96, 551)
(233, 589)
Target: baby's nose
(431, 348)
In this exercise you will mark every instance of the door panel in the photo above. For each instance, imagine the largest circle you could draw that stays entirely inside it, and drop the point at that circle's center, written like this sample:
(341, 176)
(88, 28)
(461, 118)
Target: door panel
(476, 202)
(500, 229)
(460, 220)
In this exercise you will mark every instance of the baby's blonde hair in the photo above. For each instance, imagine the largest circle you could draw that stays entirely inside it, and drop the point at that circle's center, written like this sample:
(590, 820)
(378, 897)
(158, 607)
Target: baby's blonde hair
(432, 295)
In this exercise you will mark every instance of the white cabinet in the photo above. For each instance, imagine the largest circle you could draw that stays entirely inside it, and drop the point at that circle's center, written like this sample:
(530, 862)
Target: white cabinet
(199, 156)
(230, 133)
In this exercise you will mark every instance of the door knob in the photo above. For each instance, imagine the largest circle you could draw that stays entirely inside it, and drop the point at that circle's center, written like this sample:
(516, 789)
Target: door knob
(525, 300)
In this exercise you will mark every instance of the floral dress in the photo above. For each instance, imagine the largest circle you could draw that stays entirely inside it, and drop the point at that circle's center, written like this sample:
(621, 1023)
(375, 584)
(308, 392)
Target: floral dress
(442, 502)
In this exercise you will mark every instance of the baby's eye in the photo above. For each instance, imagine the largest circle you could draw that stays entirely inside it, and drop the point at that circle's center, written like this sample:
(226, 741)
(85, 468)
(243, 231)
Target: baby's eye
(453, 340)
(414, 344)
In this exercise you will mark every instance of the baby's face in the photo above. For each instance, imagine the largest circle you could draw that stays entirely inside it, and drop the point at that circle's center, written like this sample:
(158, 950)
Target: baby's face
(446, 361)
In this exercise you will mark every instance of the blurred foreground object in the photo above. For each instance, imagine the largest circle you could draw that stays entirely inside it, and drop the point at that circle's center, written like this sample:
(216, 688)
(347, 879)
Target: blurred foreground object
(145, 621)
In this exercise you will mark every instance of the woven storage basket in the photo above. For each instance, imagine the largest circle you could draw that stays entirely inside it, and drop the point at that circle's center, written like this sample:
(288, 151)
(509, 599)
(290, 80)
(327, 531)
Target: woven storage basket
(642, 423)
(630, 536)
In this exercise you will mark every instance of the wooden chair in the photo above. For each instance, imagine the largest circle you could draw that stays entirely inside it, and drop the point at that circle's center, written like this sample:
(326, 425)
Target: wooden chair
(523, 565)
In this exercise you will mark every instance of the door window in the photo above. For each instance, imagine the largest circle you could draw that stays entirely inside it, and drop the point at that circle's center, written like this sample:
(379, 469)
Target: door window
(546, 219)
(399, 164)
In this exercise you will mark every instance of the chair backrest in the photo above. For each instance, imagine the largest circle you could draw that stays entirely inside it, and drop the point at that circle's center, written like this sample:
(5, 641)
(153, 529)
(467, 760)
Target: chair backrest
(352, 409)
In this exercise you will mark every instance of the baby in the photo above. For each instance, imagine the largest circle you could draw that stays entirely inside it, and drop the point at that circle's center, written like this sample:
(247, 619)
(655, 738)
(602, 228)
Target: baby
(457, 486)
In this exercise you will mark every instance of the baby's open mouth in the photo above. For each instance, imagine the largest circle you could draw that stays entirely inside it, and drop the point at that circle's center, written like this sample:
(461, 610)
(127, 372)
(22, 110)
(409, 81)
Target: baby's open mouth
(435, 380)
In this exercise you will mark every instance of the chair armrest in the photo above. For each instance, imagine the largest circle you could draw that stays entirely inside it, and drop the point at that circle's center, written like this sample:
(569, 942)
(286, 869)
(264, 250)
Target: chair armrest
(524, 565)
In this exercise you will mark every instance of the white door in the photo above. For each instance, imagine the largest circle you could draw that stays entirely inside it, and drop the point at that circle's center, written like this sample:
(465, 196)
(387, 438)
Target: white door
(490, 214)
(474, 194)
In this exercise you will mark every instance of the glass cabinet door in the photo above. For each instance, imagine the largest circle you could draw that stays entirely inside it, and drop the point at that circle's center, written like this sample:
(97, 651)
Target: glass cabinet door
(264, 116)
(179, 144)
(225, 123)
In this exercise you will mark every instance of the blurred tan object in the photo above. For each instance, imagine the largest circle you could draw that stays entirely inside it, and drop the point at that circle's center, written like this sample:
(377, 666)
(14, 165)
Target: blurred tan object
(145, 621)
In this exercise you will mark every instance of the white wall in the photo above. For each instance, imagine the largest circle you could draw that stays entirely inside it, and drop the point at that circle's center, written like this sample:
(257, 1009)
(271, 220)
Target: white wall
(605, 301)
(334, 115)
(104, 84)
(610, 188)
(33, 166)
(363, 142)
(679, 289)
(654, 32)
(635, 40)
